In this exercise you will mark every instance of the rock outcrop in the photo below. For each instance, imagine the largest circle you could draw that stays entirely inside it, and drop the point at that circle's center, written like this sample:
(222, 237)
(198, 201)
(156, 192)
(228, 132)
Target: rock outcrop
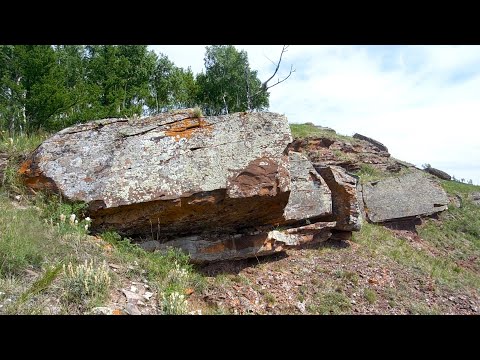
(214, 247)
(348, 154)
(221, 187)
(438, 173)
(475, 198)
(402, 197)
(345, 205)
(225, 187)
(374, 142)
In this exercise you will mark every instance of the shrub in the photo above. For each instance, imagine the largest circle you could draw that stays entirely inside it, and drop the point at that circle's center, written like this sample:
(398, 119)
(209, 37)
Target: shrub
(85, 282)
(197, 113)
(174, 304)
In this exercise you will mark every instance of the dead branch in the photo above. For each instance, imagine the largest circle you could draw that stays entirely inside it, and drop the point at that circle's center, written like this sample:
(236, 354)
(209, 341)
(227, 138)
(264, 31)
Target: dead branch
(265, 86)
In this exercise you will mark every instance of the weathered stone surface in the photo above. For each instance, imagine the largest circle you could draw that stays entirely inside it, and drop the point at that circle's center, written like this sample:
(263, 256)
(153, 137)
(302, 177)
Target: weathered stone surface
(378, 144)
(345, 205)
(350, 155)
(438, 173)
(310, 196)
(475, 198)
(202, 184)
(400, 197)
(173, 171)
(240, 246)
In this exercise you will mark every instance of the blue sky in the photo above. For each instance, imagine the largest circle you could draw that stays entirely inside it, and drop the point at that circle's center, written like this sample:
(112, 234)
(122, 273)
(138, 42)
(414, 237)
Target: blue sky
(422, 102)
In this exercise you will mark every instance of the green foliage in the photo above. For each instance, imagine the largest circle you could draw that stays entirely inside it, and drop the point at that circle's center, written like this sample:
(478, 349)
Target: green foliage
(54, 206)
(369, 173)
(86, 283)
(17, 149)
(330, 303)
(459, 229)
(42, 283)
(169, 270)
(381, 242)
(223, 87)
(456, 187)
(301, 131)
(197, 113)
(370, 295)
(52, 87)
(22, 234)
(174, 303)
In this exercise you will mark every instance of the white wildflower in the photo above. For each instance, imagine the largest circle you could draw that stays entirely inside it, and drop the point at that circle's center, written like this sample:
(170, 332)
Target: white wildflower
(76, 222)
(72, 219)
(62, 217)
(87, 219)
(86, 227)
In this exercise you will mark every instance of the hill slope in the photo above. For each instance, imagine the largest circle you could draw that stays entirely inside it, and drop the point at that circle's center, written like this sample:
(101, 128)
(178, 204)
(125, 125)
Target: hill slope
(49, 265)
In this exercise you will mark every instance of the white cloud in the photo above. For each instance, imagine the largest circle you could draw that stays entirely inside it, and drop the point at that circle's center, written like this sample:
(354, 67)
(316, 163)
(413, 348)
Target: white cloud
(422, 102)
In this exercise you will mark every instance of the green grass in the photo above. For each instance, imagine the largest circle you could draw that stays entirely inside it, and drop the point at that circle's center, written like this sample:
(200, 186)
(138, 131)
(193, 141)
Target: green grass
(456, 187)
(329, 303)
(422, 309)
(197, 112)
(31, 241)
(169, 272)
(24, 238)
(21, 145)
(86, 284)
(381, 242)
(459, 228)
(370, 296)
(42, 283)
(17, 149)
(39, 232)
(306, 130)
(369, 173)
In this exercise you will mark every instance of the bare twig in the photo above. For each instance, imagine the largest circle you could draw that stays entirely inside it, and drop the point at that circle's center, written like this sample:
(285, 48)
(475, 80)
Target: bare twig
(265, 86)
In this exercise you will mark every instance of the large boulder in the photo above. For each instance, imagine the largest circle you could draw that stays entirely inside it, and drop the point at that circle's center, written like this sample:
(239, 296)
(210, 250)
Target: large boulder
(401, 197)
(195, 182)
(374, 142)
(438, 173)
(475, 198)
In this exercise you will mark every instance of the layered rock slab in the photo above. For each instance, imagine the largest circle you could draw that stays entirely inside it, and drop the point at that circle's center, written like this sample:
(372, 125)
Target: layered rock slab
(345, 201)
(175, 176)
(401, 197)
(173, 171)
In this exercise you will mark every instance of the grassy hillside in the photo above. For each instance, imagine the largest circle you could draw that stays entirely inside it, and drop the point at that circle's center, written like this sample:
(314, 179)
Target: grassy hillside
(51, 265)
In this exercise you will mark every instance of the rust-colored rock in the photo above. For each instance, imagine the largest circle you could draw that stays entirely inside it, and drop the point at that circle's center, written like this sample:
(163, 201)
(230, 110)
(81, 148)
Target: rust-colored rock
(207, 248)
(343, 186)
(187, 181)
(350, 155)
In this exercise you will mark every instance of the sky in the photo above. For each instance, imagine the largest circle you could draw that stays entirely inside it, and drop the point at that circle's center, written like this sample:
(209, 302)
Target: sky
(422, 102)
